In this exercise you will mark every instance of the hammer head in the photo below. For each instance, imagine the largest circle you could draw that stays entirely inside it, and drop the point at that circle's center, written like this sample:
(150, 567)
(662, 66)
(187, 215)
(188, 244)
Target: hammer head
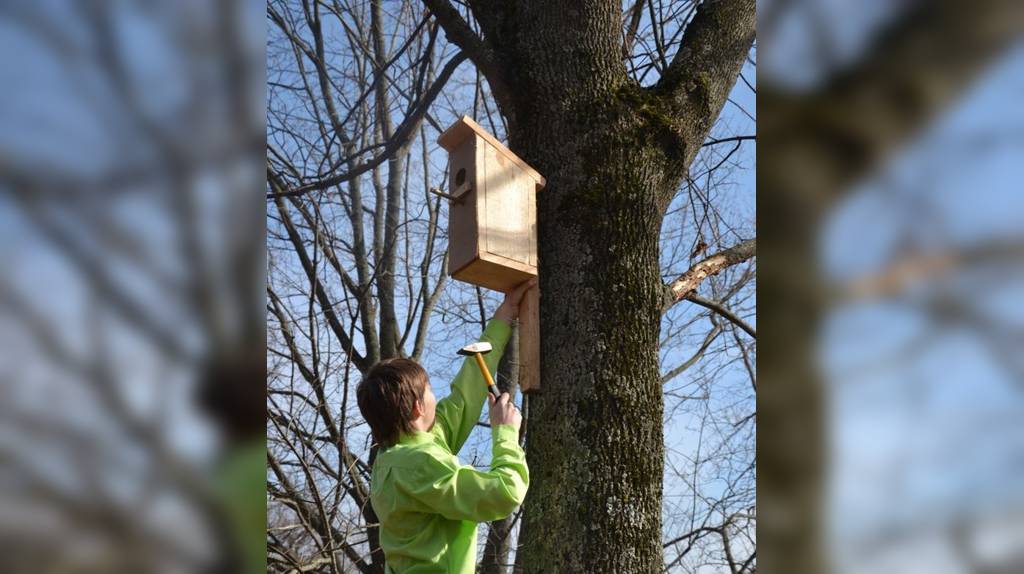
(472, 348)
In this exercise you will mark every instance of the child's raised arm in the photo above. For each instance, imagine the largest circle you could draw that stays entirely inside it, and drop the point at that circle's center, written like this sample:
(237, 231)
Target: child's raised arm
(459, 411)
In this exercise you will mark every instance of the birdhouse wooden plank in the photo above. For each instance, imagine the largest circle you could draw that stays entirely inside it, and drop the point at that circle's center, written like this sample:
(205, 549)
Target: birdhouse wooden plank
(492, 225)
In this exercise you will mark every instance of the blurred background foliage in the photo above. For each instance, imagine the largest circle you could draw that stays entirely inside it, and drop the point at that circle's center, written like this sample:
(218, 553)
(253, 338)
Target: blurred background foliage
(131, 298)
(890, 208)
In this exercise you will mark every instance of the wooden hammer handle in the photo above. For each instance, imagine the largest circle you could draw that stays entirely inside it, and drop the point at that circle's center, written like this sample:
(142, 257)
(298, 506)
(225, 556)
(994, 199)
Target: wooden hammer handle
(487, 374)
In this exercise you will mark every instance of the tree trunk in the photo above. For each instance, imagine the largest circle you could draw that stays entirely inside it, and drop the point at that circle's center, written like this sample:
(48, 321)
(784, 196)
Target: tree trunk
(595, 445)
(613, 155)
(791, 400)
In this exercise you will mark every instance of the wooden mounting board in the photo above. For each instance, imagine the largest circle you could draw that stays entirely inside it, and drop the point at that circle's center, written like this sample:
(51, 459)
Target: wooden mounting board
(529, 342)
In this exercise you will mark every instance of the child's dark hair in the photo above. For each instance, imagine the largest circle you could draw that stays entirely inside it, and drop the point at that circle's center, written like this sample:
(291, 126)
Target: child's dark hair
(386, 397)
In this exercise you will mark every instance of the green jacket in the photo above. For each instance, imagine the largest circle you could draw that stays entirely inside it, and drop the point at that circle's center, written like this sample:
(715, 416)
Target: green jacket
(428, 503)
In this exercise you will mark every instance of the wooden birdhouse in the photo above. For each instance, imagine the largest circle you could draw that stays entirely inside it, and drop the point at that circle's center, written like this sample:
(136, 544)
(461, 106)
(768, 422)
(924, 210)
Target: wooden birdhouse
(492, 225)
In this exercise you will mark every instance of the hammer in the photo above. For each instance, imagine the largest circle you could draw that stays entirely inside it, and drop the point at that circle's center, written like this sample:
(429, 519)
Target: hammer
(478, 350)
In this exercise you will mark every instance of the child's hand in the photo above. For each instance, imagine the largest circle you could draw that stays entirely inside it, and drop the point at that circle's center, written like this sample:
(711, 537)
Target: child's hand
(504, 411)
(509, 309)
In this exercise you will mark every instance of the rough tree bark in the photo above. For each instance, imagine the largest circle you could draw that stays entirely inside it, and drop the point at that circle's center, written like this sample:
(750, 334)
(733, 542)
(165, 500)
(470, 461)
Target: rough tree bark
(613, 153)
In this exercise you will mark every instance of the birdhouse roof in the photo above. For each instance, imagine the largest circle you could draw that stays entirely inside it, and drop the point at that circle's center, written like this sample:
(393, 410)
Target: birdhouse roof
(464, 127)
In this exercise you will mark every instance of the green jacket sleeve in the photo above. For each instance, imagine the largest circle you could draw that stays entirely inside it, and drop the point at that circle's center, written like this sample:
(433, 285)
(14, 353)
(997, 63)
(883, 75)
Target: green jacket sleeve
(459, 411)
(459, 492)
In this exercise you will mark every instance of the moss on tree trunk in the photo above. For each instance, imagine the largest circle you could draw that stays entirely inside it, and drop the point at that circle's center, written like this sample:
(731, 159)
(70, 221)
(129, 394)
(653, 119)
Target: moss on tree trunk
(595, 444)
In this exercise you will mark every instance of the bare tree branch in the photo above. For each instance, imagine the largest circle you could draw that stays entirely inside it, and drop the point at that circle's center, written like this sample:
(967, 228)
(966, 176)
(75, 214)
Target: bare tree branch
(723, 311)
(401, 137)
(483, 55)
(698, 81)
(688, 282)
(911, 73)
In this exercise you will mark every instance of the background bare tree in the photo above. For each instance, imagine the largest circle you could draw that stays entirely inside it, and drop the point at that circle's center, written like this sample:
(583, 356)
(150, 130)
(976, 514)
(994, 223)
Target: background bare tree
(132, 266)
(358, 93)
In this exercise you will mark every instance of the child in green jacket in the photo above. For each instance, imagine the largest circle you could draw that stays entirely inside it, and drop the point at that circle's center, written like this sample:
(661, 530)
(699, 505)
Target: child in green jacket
(427, 502)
